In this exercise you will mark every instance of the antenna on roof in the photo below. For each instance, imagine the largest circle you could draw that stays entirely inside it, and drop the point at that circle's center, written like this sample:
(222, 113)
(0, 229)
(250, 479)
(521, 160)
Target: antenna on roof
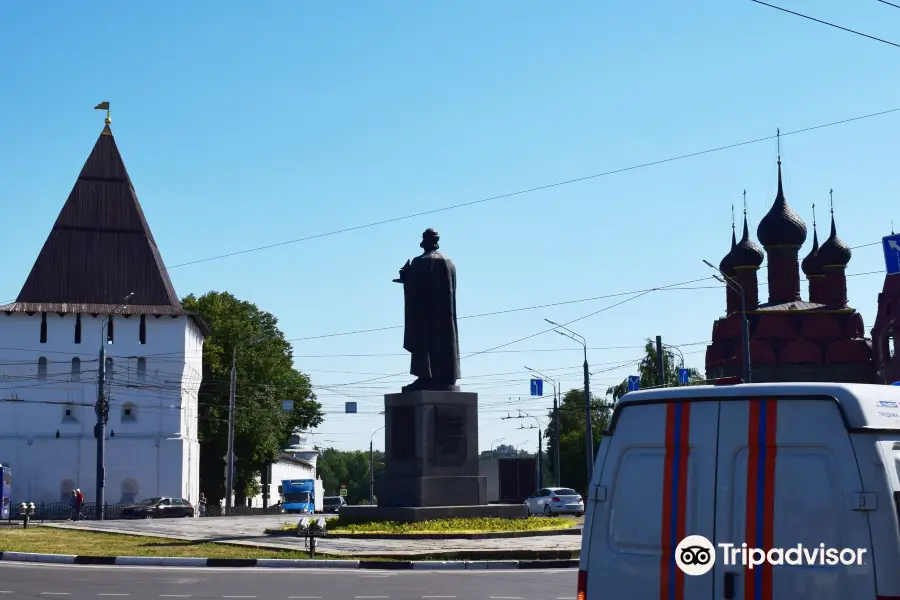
(814, 215)
(745, 204)
(831, 196)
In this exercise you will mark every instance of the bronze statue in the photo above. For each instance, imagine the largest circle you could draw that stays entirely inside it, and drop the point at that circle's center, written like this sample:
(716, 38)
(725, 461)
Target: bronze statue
(430, 333)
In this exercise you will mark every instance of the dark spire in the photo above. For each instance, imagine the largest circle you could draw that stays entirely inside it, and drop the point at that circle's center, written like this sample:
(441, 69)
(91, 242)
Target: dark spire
(100, 249)
(781, 226)
(834, 252)
(746, 253)
(725, 266)
(811, 264)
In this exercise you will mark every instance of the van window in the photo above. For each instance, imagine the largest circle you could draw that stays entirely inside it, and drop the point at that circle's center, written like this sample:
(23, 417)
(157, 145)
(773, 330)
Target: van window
(636, 528)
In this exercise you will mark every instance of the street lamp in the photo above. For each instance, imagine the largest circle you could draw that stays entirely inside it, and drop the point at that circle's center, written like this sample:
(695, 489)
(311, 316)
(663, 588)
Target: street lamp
(745, 332)
(372, 466)
(588, 426)
(555, 423)
(102, 410)
(229, 476)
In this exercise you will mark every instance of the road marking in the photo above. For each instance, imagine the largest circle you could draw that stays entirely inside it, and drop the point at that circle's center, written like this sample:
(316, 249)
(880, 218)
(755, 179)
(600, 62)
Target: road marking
(304, 597)
(439, 596)
(56, 593)
(239, 596)
(507, 598)
(113, 594)
(369, 597)
(174, 595)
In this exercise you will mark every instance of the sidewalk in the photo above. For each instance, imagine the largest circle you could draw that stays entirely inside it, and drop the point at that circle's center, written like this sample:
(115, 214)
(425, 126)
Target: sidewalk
(249, 531)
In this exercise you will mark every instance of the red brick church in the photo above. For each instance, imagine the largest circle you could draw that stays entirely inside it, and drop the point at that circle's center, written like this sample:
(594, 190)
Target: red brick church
(792, 339)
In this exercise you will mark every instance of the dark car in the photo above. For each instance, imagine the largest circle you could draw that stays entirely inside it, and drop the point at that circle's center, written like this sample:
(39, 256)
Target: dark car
(333, 504)
(159, 508)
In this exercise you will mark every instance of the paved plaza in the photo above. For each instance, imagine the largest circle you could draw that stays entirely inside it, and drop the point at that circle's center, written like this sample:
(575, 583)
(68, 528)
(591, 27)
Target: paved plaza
(249, 531)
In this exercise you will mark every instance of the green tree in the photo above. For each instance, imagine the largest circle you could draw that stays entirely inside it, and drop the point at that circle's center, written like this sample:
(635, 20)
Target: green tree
(265, 376)
(350, 468)
(647, 370)
(572, 453)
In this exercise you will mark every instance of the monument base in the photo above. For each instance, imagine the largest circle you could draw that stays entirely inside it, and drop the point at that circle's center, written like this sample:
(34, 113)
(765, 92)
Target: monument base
(437, 491)
(416, 514)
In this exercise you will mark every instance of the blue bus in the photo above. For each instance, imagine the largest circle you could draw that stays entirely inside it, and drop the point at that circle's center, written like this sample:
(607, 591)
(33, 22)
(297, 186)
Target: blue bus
(301, 495)
(5, 494)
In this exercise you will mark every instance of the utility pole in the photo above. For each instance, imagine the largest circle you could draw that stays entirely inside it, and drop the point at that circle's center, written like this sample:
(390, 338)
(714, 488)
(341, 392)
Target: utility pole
(556, 392)
(588, 425)
(660, 363)
(372, 465)
(232, 399)
(102, 410)
(229, 475)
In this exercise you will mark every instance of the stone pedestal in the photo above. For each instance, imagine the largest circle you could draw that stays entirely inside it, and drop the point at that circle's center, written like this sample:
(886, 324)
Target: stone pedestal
(431, 451)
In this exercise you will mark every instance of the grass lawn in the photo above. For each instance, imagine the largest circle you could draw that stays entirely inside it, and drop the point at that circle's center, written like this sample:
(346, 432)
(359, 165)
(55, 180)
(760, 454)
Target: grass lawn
(47, 540)
(484, 525)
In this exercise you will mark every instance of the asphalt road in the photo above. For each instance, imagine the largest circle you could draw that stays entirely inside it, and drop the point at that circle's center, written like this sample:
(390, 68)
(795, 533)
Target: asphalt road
(79, 582)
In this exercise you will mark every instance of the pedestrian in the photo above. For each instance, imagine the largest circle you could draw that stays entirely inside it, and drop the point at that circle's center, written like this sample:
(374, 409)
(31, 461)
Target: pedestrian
(202, 504)
(75, 507)
(79, 501)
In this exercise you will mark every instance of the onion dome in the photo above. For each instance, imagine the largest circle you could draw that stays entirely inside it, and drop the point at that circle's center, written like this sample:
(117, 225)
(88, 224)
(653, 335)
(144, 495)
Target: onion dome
(726, 265)
(834, 252)
(812, 264)
(746, 253)
(781, 226)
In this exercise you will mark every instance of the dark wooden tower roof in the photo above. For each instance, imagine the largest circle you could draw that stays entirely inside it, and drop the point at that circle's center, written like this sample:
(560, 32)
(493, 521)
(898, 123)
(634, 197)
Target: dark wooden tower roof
(100, 249)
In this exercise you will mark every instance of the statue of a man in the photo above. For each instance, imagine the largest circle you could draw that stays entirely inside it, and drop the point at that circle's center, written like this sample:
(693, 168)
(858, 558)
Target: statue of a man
(430, 334)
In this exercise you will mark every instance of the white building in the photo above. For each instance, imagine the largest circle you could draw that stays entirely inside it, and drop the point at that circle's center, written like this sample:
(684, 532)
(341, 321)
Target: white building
(298, 461)
(100, 252)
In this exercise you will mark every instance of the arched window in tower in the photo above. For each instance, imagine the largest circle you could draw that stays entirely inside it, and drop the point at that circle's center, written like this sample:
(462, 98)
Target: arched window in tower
(43, 328)
(109, 330)
(141, 369)
(142, 330)
(78, 328)
(129, 413)
(42, 367)
(129, 491)
(65, 490)
(76, 369)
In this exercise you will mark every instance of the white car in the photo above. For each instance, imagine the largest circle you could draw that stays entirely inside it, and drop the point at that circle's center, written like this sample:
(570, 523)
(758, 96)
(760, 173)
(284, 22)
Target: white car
(554, 501)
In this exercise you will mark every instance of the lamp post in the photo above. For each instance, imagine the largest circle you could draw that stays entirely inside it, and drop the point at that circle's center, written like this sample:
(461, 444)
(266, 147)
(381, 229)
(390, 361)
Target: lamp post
(232, 397)
(102, 410)
(588, 426)
(555, 423)
(372, 466)
(745, 330)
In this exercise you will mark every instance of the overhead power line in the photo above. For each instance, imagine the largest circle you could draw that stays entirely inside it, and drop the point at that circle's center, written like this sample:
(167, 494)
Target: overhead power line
(539, 188)
(866, 35)
(889, 3)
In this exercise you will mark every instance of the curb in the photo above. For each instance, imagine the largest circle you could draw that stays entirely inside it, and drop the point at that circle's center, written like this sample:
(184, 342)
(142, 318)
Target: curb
(286, 563)
(493, 535)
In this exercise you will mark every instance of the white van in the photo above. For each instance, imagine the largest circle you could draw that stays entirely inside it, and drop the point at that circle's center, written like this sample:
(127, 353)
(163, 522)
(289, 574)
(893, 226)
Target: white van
(766, 465)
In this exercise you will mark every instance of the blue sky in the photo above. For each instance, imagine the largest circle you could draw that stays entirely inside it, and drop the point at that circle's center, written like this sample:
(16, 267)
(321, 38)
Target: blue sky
(246, 125)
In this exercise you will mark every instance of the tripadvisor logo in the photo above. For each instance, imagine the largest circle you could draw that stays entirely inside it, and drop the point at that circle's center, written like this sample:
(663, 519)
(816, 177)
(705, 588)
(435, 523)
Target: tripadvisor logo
(696, 555)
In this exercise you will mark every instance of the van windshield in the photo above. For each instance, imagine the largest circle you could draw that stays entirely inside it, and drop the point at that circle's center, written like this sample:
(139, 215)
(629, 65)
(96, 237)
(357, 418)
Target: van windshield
(296, 497)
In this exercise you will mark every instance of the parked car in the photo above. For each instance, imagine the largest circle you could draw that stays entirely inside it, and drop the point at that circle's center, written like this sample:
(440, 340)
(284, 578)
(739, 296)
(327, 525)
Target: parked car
(159, 508)
(333, 504)
(554, 501)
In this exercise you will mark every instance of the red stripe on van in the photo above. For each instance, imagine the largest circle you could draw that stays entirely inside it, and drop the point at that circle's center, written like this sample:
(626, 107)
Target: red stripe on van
(674, 502)
(760, 522)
